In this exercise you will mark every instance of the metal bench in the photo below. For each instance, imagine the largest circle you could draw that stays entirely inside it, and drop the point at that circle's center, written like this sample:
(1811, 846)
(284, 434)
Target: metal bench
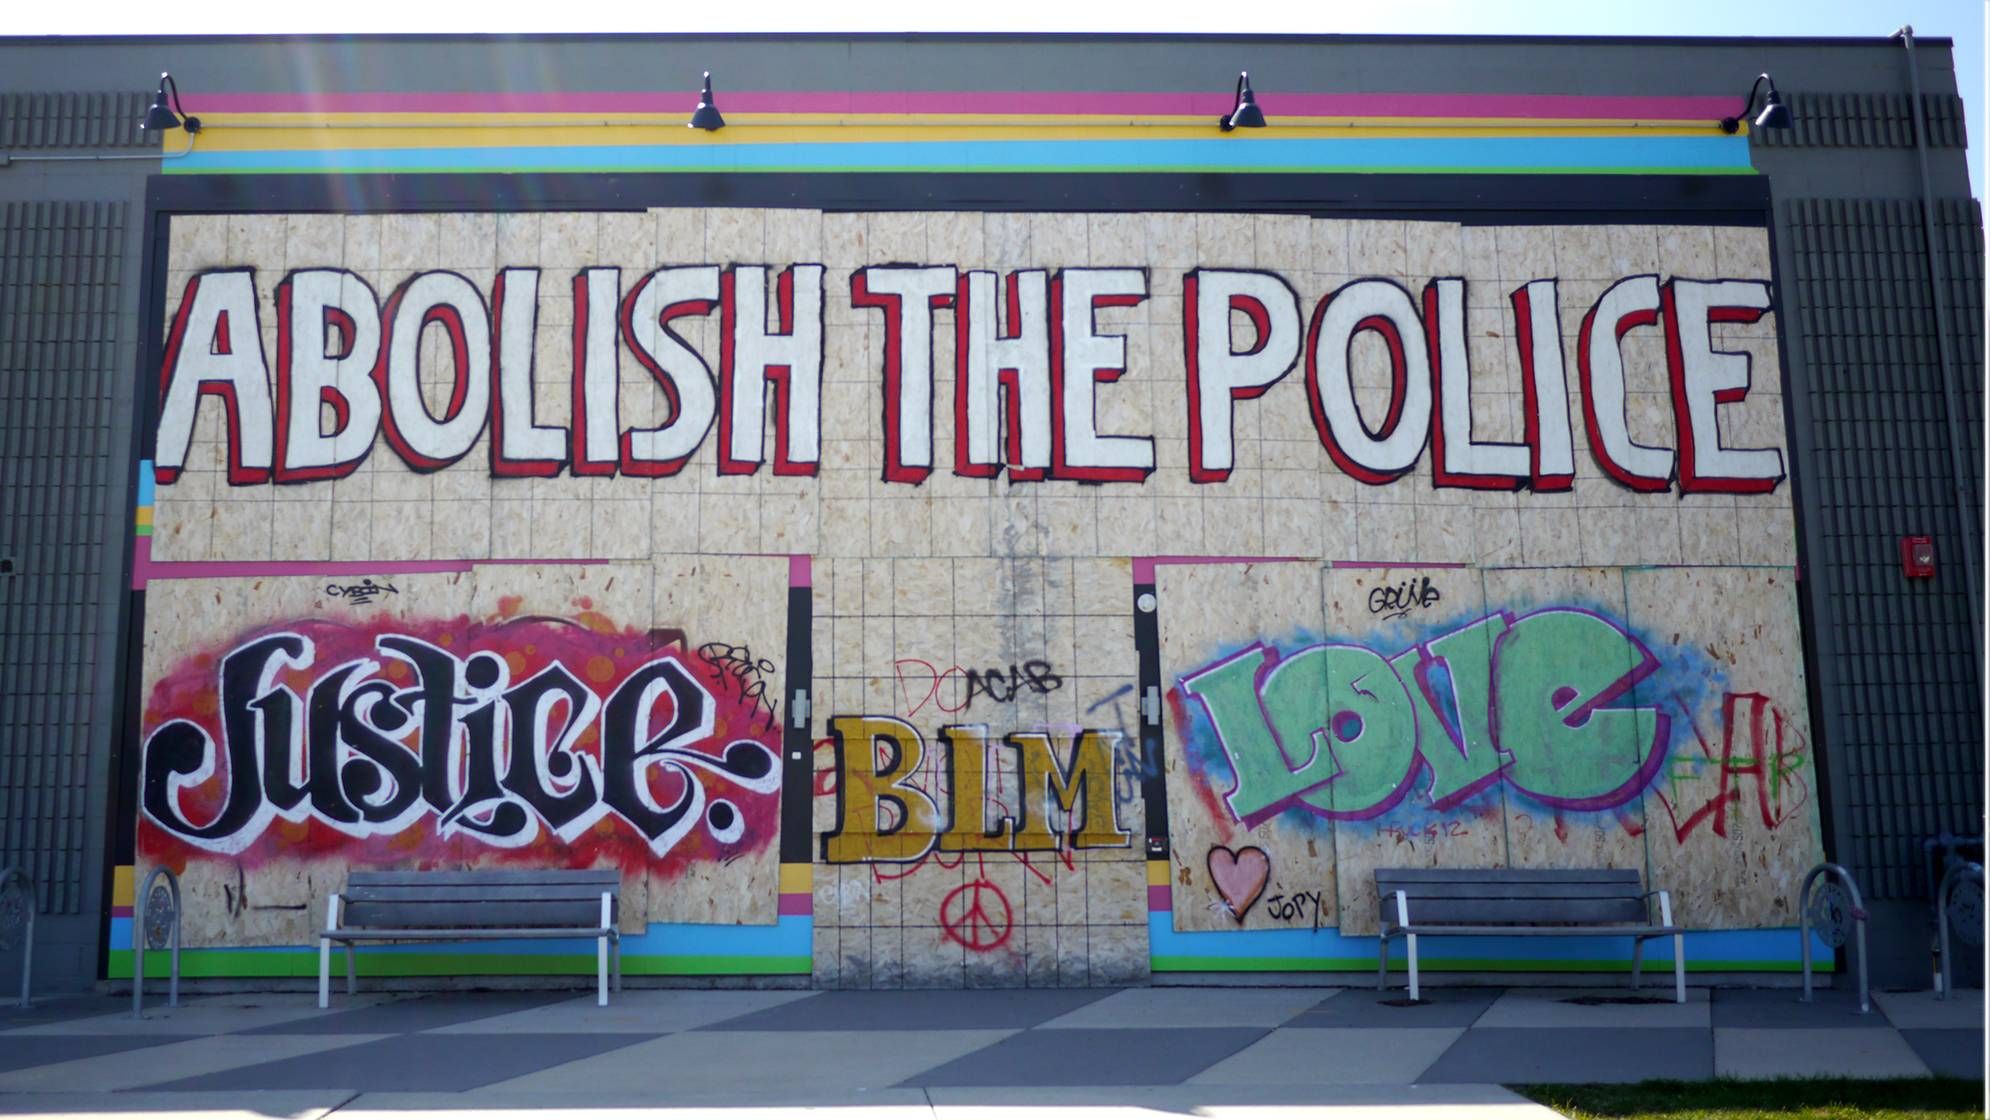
(473, 906)
(1514, 902)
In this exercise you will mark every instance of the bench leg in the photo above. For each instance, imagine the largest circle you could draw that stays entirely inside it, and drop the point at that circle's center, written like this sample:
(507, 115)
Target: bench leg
(1414, 990)
(324, 973)
(1382, 965)
(351, 972)
(1637, 960)
(1679, 967)
(601, 971)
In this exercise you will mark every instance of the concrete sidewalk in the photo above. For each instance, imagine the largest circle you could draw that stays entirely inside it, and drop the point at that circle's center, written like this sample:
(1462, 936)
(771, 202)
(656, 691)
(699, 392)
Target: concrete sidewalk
(1261, 1052)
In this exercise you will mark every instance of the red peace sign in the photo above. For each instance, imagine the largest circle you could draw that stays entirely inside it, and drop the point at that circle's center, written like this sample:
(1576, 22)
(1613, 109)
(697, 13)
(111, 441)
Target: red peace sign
(968, 918)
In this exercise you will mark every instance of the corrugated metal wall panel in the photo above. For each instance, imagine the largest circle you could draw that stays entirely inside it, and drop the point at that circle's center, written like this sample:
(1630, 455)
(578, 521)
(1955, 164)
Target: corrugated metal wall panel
(97, 119)
(59, 357)
(1865, 120)
(1904, 719)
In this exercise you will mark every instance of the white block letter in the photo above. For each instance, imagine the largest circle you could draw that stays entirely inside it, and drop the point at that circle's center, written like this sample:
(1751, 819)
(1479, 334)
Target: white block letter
(1082, 359)
(1456, 459)
(1629, 303)
(908, 359)
(686, 381)
(1219, 374)
(1704, 378)
(216, 348)
(1002, 378)
(789, 356)
(520, 446)
(1379, 455)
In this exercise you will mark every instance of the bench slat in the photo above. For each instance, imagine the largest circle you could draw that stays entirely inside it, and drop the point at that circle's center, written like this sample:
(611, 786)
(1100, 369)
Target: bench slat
(506, 892)
(454, 915)
(1483, 911)
(1426, 875)
(492, 934)
(1422, 930)
(1511, 890)
(608, 877)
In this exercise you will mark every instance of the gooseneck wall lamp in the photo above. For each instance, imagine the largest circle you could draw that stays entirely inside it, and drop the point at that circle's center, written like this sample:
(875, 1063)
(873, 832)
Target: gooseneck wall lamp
(159, 118)
(706, 115)
(1774, 113)
(1246, 114)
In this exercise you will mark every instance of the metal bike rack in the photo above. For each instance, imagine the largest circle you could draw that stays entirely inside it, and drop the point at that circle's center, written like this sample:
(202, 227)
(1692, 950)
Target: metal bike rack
(156, 926)
(17, 913)
(1838, 909)
(1956, 902)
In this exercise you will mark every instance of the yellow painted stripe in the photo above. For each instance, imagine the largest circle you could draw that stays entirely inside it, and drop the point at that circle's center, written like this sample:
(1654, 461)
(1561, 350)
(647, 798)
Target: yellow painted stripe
(144, 516)
(797, 878)
(218, 139)
(1158, 873)
(123, 886)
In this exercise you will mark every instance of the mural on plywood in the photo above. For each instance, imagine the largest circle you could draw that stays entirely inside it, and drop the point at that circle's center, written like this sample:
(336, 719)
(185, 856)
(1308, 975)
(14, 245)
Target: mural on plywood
(475, 540)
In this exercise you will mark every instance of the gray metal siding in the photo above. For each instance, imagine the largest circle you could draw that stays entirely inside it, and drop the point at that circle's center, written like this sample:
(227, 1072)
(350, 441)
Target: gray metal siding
(1865, 120)
(97, 119)
(1904, 716)
(61, 271)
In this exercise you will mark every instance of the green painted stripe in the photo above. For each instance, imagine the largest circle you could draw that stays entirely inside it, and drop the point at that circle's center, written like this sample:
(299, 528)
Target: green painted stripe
(1460, 964)
(239, 963)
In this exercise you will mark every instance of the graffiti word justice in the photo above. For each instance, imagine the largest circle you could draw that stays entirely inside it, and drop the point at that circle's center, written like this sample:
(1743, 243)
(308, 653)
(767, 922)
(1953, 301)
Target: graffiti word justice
(1339, 730)
(495, 761)
(1032, 374)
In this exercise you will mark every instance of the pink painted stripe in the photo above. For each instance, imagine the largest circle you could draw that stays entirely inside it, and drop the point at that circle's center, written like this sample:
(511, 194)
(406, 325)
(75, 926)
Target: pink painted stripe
(1526, 106)
(120, 911)
(800, 572)
(1143, 566)
(1395, 564)
(802, 904)
(1160, 900)
(145, 569)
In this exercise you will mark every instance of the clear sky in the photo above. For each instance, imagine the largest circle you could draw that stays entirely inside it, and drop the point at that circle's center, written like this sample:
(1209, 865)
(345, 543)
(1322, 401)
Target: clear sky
(1961, 20)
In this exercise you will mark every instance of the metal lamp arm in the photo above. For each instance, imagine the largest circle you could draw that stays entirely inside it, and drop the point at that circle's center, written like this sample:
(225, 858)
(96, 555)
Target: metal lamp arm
(1732, 124)
(189, 122)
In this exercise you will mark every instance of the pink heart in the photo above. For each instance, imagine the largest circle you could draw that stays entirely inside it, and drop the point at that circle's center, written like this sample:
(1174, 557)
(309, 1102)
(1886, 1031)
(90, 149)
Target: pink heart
(1239, 877)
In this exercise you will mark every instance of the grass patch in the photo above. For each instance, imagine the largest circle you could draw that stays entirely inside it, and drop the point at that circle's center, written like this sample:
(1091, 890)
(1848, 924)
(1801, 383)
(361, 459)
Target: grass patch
(1915, 1098)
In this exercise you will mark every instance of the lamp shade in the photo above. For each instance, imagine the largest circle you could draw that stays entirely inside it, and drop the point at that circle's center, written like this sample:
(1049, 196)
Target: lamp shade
(160, 118)
(1774, 113)
(706, 115)
(1246, 114)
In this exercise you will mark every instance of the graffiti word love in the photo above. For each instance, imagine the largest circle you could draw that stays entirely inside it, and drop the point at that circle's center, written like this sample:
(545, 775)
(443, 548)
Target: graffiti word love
(1035, 676)
(361, 593)
(883, 816)
(1342, 732)
(738, 665)
(491, 759)
(1398, 599)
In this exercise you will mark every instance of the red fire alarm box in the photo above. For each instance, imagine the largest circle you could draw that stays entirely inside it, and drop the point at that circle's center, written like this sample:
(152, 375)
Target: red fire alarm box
(1917, 557)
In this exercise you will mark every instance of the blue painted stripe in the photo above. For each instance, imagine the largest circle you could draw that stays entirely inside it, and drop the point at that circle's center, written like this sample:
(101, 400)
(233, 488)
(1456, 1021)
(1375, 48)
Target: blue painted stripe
(144, 483)
(791, 936)
(1518, 154)
(1769, 946)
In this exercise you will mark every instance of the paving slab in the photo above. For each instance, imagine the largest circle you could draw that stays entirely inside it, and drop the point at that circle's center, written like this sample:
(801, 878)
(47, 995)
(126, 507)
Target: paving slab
(1817, 1052)
(667, 1103)
(1092, 1057)
(282, 1105)
(1963, 1010)
(1333, 1056)
(1519, 1055)
(55, 1009)
(19, 1052)
(651, 1011)
(411, 1063)
(1240, 1102)
(1596, 1007)
(222, 1014)
(1162, 1008)
(917, 1010)
(1784, 1009)
(409, 1014)
(133, 1069)
(768, 1061)
(1368, 1008)
(1949, 1053)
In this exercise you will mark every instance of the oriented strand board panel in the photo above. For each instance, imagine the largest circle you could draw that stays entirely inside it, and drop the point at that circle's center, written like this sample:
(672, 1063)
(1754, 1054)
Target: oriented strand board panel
(1240, 861)
(1733, 816)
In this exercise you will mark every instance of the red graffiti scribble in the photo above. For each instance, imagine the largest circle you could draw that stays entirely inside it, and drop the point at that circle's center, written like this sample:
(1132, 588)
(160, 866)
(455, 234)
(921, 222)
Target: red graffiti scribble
(598, 653)
(934, 679)
(966, 917)
(825, 778)
(1773, 754)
